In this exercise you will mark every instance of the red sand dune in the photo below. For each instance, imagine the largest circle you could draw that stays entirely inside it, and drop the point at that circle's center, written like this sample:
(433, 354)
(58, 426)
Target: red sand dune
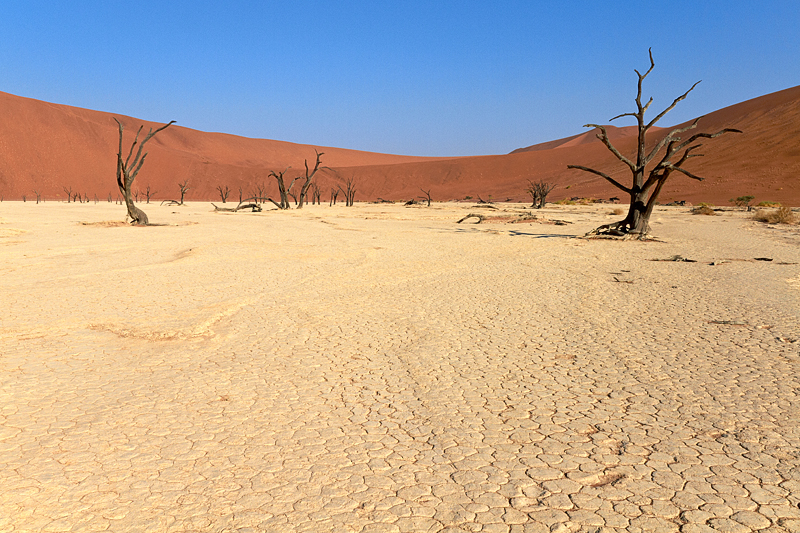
(47, 147)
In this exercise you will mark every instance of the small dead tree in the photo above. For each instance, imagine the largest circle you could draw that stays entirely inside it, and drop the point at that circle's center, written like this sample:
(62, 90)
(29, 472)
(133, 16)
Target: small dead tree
(241, 193)
(315, 194)
(539, 191)
(136, 195)
(349, 192)
(75, 197)
(128, 170)
(184, 187)
(283, 191)
(647, 184)
(148, 193)
(69, 193)
(308, 177)
(427, 196)
(223, 192)
(38, 195)
(334, 196)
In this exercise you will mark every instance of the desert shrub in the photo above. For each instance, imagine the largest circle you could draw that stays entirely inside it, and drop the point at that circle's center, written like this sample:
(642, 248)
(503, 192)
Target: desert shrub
(742, 201)
(617, 211)
(703, 209)
(705, 204)
(565, 201)
(782, 215)
(768, 203)
(587, 201)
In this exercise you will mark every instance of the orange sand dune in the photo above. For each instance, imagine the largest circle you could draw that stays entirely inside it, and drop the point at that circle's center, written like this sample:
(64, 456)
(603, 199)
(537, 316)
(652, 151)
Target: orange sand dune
(46, 147)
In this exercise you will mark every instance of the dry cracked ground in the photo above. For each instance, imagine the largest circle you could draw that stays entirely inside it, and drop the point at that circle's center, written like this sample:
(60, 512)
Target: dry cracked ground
(381, 368)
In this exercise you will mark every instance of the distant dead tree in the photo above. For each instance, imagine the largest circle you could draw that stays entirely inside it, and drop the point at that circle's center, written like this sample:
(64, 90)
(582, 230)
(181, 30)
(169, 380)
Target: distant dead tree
(75, 197)
(128, 170)
(95, 199)
(315, 194)
(223, 192)
(69, 193)
(241, 193)
(136, 195)
(349, 191)
(647, 184)
(308, 178)
(539, 191)
(259, 194)
(148, 193)
(334, 196)
(38, 195)
(24, 198)
(427, 195)
(184, 187)
(109, 197)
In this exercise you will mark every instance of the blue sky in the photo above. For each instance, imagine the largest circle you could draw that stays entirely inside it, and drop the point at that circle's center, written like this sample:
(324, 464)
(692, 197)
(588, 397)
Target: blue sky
(406, 77)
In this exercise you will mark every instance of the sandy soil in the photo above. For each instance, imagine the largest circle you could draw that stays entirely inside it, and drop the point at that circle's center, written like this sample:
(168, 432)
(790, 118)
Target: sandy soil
(381, 368)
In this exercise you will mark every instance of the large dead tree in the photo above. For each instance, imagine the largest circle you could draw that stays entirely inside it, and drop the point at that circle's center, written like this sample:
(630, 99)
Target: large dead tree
(128, 170)
(647, 184)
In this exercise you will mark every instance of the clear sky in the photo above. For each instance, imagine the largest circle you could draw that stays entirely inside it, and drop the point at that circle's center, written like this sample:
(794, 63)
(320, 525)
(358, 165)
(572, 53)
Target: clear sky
(436, 78)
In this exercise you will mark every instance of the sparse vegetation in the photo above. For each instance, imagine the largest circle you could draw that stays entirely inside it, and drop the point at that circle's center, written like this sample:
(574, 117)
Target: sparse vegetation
(703, 209)
(742, 201)
(767, 203)
(647, 184)
(782, 215)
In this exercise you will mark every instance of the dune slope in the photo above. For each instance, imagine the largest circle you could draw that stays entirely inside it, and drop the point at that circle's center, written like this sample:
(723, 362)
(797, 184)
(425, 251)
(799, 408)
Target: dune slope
(47, 147)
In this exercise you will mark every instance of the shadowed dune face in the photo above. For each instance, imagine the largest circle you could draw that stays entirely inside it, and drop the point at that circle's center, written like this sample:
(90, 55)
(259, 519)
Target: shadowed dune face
(47, 147)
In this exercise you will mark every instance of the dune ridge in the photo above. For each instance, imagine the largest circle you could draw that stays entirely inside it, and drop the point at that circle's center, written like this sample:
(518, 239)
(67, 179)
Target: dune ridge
(47, 147)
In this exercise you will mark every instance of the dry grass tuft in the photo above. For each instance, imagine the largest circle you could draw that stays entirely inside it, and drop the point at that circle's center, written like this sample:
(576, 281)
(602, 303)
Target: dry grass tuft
(703, 210)
(617, 211)
(782, 215)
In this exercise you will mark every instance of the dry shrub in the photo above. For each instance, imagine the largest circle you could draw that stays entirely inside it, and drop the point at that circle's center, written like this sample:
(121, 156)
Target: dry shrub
(617, 211)
(768, 204)
(782, 215)
(703, 210)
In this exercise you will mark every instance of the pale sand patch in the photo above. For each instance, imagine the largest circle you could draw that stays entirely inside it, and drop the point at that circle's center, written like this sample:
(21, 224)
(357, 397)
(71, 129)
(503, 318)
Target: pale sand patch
(384, 368)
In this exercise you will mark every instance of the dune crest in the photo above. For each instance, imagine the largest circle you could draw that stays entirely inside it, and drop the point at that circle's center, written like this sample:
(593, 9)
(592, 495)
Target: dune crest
(47, 147)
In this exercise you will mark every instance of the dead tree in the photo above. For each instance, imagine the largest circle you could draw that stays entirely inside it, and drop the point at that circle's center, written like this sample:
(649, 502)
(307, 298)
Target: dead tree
(75, 197)
(647, 184)
(539, 191)
(148, 193)
(38, 195)
(334, 196)
(308, 177)
(315, 194)
(427, 195)
(184, 187)
(241, 192)
(69, 193)
(223, 192)
(128, 170)
(282, 189)
(349, 192)
(136, 196)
